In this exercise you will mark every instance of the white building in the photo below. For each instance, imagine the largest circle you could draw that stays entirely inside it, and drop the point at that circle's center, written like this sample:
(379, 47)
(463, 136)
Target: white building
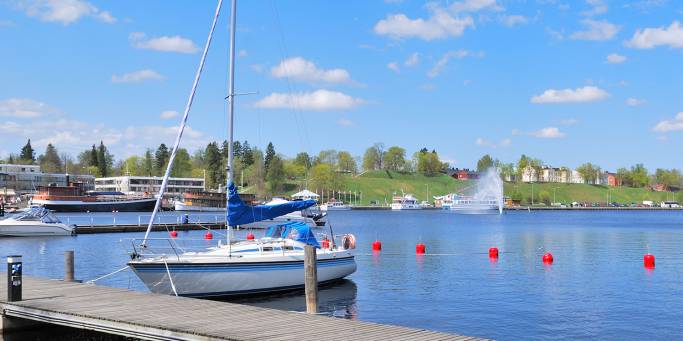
(576, 177)
(529, 174)
(26, 178)
(146, 184)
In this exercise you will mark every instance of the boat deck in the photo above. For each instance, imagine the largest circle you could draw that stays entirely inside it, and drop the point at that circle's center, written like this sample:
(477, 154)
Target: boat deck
(159, 317)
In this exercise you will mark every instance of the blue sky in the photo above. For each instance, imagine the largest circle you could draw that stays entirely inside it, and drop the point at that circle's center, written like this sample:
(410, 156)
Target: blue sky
(564, 81)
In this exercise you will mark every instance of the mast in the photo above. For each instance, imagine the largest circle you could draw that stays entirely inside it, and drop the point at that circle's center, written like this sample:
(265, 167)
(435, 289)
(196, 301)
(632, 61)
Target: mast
(231, 108)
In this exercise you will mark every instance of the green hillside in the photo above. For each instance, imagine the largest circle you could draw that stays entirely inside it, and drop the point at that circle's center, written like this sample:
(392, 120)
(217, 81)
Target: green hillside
(379, 186)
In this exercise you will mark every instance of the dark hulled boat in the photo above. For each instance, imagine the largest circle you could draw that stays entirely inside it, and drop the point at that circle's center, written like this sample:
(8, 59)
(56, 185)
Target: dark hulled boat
(74, 198)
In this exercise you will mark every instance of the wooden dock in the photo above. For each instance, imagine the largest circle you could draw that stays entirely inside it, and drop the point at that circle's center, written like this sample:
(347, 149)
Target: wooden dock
(88, 229)
(158, 317)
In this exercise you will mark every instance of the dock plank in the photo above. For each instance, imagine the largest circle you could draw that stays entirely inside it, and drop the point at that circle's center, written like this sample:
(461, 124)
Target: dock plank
(160, 317)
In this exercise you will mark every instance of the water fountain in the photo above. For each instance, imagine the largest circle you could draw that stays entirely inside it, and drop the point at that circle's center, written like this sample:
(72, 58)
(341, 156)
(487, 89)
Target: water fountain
(490, 186)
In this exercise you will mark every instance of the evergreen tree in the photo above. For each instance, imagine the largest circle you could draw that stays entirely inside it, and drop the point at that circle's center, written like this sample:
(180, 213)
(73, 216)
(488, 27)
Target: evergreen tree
(303, 160)
(148, 163)
(247, 154)
(161, 158)
(11, 159)
(213, 161)
(104, 160)
(270, 154)
(28, 155)
(182, 166)
(93, 157)
(50, 162)
(484, 163)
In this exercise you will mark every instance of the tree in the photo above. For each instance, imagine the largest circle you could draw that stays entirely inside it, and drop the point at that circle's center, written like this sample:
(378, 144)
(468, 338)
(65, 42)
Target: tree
(638, 175)
(544, 197)
(428, 163)
(324, 177)
(213, 163)
(395, 159)
(304, 160)
(161, 157)
(104, 160)
(275, 175)
(589, 172)
(50, 162)
(668, 178)
(182, 166)
(148, 163)
(484, 163)
(270, 154)
(255, 173)
(328, 156)
(27, 155)
(346, 163)
(371, 159)
(247, 155)
(507, 171)
(93, 157)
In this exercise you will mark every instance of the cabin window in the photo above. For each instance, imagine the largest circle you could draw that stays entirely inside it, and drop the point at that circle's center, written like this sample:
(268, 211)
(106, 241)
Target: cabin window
(267, 248)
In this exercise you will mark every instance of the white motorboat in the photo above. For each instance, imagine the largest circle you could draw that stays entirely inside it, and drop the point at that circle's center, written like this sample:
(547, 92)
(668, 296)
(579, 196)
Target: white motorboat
(469, 204)
(405, 202)
(37, 221)
(312, 216)
(335, 206)
(272, 263)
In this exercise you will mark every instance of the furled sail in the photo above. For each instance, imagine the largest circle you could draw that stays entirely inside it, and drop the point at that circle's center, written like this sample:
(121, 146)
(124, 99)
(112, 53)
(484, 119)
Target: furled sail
(240, 213)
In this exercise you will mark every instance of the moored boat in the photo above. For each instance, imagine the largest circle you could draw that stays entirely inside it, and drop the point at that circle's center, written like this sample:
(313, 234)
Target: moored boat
(405, 202)
(335, 205)
(37, 221)
(74, 198)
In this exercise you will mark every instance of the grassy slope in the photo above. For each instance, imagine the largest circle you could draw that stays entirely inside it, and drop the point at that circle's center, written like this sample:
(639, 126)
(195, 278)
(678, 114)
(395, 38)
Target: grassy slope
(381, 185)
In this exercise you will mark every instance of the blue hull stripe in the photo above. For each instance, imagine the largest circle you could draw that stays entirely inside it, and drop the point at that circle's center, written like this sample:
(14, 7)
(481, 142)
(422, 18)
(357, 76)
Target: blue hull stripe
(251, 267)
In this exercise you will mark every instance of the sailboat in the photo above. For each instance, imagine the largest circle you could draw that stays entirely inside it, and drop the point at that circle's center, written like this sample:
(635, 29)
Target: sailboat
(237, 267)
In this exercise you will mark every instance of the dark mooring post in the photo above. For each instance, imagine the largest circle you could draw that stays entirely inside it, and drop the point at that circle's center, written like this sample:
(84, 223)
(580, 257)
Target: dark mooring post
(68, 266)
(14, 280)
(311, 279)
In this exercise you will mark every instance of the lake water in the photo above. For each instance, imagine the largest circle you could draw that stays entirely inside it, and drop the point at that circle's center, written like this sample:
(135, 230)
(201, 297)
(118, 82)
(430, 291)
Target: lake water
(596, 288)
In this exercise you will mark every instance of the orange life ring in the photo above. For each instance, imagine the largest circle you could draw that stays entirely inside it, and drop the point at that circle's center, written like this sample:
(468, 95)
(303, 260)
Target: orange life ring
(349, 241)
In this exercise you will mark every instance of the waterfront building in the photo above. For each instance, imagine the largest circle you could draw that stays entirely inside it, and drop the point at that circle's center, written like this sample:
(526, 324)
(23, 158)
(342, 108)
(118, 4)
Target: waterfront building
(23, 179)
(576, 177)
(149, 184)
(609, 179)
(529, 174)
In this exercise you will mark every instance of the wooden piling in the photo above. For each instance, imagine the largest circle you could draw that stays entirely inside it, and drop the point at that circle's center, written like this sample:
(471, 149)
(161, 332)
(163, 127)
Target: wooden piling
(68, 266)
(311, 279)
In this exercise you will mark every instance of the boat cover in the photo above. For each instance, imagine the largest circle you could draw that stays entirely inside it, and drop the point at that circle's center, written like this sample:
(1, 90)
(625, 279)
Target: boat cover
(295, 230)
(240, 213)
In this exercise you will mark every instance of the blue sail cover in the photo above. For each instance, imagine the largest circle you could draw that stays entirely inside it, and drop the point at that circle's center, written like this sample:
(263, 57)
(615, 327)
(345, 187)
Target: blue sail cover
(240, 213)
(294, 230)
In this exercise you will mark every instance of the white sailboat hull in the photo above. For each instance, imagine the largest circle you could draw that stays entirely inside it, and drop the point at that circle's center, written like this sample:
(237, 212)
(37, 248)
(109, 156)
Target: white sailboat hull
(239, 276)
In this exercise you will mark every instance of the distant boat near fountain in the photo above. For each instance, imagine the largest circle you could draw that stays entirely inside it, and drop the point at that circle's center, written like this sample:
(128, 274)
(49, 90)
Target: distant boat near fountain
(487, 197)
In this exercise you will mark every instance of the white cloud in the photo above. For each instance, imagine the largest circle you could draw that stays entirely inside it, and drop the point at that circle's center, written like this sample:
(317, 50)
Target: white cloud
(475, 6)
(258, 68)
(163, 44)
(548, 133)
(169, 114)
(439, 25)
(513, 20)
(614, 58)
(344, 122)
(319, 100)
(634, 102)
(648, 38)
(569, 122)
(579, 95)
(63, 11)
(24, 108)
(443, 61)
(596, 30)
(598, 7)
(137, 76)
(394, 67)
(413, 59)
(242, 53)
(301, 69)
(489, 144)
(675, 124)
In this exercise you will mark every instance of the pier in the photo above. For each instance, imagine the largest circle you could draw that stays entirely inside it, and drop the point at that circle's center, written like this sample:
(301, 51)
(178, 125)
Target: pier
(159, 317)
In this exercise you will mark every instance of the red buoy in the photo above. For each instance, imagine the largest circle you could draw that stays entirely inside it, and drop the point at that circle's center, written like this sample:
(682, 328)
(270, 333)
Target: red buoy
(420, 248)
(208, 235)
(376, 245)
(493, 252)
(649, 261)
(325, 243)
(548, 258)
(250, 236)
(174, 234)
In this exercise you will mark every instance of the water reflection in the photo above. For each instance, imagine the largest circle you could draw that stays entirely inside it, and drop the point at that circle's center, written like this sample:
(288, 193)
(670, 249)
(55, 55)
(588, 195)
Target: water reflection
(337, 299)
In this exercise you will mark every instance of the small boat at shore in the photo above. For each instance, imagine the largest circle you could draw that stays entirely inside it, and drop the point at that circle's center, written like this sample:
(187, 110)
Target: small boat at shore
(37, 221)
(405, 202)
(469, 204)
(335, 205)
(201, 202)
